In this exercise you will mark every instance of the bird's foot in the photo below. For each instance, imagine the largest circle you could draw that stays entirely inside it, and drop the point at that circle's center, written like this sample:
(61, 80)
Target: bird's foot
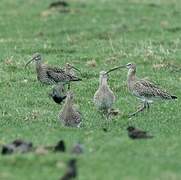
(140, 106)
(79, 125)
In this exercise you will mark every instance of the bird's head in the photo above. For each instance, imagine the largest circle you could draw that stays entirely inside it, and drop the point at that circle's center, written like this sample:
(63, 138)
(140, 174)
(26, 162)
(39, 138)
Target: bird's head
(129, 66)
(36, 57)
(70, 66)
(130, 128)
(103, 74)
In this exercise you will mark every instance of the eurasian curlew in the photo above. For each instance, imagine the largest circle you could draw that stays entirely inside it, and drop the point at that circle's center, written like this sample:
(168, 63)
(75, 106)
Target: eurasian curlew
(143, 89)
(104, 97)
(50, 75)
(69, 115)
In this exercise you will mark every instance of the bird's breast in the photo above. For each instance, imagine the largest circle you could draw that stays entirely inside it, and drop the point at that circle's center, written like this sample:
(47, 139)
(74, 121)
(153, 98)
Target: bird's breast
(104, 98)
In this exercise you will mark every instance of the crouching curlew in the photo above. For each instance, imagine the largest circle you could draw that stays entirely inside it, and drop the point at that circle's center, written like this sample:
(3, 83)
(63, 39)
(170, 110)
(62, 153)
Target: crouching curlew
(143, 89)
(51, 75)
(69, 115)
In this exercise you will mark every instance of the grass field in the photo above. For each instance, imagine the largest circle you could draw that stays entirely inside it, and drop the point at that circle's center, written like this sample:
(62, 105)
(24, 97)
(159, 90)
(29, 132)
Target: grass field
(111, 33)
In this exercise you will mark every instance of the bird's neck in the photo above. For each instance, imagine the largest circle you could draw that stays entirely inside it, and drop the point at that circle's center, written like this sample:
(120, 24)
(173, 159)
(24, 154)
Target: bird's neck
(103, 82)
(68, 104)
(131, 75)
(67, 70)
(38, 64)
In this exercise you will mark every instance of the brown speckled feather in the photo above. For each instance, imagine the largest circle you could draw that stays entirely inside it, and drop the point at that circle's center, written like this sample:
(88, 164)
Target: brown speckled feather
(149, 90)
(58, 75)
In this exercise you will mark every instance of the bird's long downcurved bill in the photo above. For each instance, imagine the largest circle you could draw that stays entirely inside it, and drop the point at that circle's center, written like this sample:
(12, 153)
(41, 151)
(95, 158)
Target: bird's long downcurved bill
(32, 59)
(113, 69)
(76, 68)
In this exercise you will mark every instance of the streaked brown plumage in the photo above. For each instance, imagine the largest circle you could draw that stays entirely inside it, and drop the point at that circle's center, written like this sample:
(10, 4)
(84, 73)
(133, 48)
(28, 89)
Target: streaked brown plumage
(69, 115)
(142, 89)
(50, 75)
(104, 97)
(70, 69)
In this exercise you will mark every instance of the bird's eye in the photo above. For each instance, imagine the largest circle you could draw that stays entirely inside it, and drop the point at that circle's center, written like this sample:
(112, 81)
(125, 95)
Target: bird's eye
(129, 65)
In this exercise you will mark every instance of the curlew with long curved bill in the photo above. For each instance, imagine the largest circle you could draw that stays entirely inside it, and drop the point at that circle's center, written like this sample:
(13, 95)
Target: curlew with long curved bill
(50, 75)
(143, 89)
(104, 96)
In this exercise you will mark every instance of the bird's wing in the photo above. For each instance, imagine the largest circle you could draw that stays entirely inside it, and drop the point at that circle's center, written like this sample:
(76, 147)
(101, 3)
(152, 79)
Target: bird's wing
(58, 74)
(143, 89)
(147, 89)
(148, 84)
(139, 133)
(56, 69)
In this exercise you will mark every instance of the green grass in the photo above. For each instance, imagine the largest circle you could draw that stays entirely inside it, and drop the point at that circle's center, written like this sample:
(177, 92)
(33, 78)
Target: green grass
(111, 33)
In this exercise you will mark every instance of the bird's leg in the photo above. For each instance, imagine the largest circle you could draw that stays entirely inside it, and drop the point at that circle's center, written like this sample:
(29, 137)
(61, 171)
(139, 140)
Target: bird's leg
(108, 113)
(68, 85)
(147, 105)
(139, 110)
(140, 106)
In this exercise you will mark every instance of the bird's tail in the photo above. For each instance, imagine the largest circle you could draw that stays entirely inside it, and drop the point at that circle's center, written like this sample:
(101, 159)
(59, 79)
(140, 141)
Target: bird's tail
(76, 79)
(174, 97)
(165, 95)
